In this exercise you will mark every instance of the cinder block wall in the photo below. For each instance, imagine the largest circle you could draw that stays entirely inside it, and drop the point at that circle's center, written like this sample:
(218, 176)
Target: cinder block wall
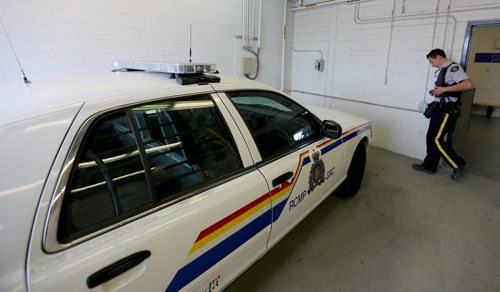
(61, 37)
(55, 37)
(356, 57)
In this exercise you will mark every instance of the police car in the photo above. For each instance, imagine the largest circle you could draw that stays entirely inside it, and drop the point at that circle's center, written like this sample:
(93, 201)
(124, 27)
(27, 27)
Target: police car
(160, 177)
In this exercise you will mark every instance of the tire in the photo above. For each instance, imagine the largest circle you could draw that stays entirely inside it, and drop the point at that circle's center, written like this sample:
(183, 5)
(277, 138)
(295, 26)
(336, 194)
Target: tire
(352, 183)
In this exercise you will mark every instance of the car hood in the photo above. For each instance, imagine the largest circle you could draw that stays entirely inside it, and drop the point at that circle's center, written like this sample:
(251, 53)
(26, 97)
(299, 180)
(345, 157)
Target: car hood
(347, 121)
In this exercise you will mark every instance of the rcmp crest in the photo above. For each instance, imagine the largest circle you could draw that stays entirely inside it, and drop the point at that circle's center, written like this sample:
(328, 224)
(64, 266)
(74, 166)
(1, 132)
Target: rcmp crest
(454, 69)
(317, 174)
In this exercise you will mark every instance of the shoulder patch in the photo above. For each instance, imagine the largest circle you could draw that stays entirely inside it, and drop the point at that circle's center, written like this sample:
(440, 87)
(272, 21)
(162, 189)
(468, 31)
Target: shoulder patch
(454, 68)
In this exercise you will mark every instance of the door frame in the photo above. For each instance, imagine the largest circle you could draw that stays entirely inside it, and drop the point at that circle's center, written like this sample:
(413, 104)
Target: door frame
(468, 37)
(467, 44)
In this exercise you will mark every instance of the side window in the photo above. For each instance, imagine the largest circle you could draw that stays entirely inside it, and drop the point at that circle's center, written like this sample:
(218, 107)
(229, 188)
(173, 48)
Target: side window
(277, 123)
(108, 179)
(186, 144)
(141, 157)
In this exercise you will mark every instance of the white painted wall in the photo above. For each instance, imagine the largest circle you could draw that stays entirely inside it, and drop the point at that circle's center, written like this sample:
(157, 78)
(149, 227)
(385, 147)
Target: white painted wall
(356, 57)
(55, 37)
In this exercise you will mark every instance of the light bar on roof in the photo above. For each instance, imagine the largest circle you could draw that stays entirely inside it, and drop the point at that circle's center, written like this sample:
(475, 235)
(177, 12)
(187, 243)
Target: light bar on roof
(177, 68)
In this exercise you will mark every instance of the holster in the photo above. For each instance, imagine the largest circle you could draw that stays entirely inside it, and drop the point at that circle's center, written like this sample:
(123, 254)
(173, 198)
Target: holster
(452, 108)
(435, 105)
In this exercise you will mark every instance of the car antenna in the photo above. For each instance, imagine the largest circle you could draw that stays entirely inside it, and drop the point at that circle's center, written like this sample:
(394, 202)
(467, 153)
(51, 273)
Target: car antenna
(25, 79)
(190, 43)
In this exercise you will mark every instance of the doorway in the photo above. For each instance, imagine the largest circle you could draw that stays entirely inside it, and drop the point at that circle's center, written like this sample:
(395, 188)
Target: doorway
(481, 60)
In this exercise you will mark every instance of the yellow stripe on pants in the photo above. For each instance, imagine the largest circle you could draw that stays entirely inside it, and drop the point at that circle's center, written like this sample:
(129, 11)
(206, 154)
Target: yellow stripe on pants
(439, 145)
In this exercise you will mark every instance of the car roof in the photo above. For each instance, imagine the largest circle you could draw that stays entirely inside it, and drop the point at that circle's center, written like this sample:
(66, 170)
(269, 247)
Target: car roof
(20, 101)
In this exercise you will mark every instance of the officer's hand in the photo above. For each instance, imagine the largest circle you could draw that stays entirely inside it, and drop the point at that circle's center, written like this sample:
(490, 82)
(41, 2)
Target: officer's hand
(437, 91)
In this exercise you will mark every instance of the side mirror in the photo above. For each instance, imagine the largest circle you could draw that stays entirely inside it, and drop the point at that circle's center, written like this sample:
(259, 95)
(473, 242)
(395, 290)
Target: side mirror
(331, 129)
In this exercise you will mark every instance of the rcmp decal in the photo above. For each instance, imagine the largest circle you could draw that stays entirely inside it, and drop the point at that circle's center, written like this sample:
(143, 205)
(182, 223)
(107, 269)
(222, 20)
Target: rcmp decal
(213, 244)
(317, 174)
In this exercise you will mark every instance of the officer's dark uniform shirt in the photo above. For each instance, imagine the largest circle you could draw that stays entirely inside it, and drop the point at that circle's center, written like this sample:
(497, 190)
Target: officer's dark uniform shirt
(454, 74)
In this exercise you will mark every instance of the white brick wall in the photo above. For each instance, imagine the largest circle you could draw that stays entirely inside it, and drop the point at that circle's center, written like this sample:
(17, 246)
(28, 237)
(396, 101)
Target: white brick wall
(356, 57)
(57, 37)
(54, 37)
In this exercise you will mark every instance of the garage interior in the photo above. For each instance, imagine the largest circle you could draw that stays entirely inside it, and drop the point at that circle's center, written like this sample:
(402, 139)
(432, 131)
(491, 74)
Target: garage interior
(404, 231)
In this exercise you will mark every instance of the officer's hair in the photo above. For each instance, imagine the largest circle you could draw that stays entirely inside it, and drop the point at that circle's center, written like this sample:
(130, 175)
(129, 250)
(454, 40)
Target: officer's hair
(436, 52)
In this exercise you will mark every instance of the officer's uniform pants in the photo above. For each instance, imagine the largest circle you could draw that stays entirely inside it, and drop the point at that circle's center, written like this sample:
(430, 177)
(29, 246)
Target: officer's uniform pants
(441, 124)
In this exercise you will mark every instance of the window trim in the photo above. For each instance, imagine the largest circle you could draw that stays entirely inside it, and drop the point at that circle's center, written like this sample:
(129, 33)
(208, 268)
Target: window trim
(277, 156)
(50, 242)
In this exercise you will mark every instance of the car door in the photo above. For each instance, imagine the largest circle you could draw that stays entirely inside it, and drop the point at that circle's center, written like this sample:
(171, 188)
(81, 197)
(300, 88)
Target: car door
(300, 165)
(155, 196)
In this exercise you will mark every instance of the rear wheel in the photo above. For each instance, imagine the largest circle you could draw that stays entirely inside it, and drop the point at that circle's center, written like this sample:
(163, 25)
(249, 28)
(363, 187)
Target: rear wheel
(350, 186)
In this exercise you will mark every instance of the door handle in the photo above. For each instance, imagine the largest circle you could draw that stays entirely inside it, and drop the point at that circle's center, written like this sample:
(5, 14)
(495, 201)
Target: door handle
(282, 178)
(109, 272)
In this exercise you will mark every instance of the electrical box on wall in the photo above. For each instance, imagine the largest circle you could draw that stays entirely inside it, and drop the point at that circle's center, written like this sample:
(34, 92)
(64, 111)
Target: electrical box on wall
(247, 65)
(319, 65)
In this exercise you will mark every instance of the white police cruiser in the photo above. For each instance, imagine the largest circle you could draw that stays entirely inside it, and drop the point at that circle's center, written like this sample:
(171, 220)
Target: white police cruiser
(150, 181)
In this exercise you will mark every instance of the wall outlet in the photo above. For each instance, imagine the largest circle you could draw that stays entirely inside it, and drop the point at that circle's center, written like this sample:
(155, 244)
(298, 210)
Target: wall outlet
(319, 65)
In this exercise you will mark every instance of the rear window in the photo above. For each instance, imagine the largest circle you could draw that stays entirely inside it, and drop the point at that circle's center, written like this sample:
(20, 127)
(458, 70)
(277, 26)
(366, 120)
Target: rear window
(137, 158)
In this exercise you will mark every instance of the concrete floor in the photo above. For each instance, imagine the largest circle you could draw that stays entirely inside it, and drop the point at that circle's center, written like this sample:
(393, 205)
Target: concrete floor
(481, 148)
(404, 231)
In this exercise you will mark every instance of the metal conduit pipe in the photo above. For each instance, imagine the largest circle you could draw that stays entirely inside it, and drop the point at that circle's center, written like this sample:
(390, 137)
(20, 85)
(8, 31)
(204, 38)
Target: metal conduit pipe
(283, 48)
(248, 32)
(243, 22)
(307, 51)
(252, 19)
(359, 20)
(390, 42)
(446, 26)
(432, 47)
(453, 34)
(436, 14)
(421, 15)
(260, 24)
(416, 15)
(319, 4)
(324, 3)
(356, 101)
(248, 23)
(407, 16)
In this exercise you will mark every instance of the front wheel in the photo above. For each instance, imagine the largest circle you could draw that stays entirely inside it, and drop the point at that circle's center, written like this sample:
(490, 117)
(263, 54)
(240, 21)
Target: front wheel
(350, 186)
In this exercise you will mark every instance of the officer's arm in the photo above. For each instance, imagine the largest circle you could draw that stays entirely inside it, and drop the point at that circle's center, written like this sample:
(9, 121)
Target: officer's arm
(460, 86)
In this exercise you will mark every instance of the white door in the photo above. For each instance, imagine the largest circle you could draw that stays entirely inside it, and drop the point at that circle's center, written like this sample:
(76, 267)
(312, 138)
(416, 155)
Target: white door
(158, 196)
(301, 167)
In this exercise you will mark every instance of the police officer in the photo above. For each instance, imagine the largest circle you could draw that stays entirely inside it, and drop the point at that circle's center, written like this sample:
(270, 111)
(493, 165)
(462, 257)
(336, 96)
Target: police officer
(451, 81)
